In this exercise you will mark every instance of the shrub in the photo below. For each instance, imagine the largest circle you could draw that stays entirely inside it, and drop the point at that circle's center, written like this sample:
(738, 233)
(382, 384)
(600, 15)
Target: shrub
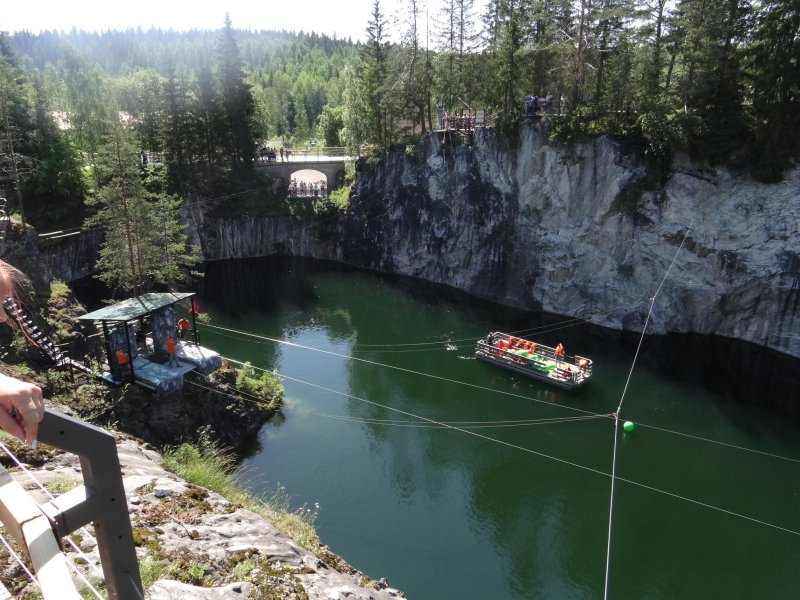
(266, 385)
(207, 466)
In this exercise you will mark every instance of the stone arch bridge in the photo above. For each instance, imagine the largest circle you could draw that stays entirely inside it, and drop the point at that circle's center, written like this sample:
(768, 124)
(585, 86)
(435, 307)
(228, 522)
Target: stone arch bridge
(332, 167)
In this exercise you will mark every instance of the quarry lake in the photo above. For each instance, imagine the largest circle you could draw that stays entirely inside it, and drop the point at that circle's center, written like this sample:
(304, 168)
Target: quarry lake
(457, 480)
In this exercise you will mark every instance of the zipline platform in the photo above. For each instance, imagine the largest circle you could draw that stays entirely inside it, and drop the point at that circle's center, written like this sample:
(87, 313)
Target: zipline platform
(153, 370)
(137, 334)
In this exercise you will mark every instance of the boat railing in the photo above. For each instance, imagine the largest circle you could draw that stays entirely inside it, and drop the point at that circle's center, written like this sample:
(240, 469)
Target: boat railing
(541, 355)
(587, 370)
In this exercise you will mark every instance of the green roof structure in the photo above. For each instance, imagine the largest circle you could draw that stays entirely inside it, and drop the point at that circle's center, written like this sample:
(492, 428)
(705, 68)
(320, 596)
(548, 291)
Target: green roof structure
(133, 308)
(145, 360)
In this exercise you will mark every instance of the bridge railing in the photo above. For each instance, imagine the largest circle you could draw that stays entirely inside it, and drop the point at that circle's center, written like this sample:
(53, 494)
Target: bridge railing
(316, 154)
(100, 500)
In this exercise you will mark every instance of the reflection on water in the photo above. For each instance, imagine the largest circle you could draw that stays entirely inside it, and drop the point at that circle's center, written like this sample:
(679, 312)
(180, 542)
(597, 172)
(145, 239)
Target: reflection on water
(455, 479)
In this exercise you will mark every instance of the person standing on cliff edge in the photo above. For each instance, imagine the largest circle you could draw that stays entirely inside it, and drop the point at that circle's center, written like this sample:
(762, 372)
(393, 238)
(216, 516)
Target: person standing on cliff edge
(21, 402)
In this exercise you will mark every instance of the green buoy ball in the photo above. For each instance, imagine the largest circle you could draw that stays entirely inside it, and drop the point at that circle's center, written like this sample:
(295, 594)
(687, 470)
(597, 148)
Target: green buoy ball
(629, 426)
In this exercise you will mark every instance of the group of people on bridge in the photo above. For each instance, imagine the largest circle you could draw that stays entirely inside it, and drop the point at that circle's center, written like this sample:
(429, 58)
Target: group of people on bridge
(310, 189)
(267, 154)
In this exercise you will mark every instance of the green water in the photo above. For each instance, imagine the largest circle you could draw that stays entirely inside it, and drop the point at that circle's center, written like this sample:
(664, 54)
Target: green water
(498, 505)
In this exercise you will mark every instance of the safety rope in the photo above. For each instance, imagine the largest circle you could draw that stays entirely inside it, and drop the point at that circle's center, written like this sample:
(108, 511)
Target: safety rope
(69, 541)
(619, 410)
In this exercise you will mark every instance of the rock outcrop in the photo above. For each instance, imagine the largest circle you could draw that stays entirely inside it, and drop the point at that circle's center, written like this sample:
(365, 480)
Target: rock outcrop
(236, 553)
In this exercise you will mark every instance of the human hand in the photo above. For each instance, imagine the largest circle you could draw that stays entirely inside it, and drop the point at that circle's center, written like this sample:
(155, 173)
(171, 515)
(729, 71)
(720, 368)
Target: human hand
(21, 408)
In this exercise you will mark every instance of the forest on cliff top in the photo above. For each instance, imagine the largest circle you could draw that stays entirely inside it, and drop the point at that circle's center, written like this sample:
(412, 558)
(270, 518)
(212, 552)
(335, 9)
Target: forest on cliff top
(716, 78)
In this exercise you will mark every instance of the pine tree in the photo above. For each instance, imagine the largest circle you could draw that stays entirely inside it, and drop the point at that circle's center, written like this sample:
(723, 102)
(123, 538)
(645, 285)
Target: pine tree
(507, 21)
(412, 70)
(711, 82)
(89, 104)
(237, 100)
(15, 123)
(774, 63)
(378, 114)
(456, 39)
(176, 128)
(354, 107)
(144, 244)
(56, 186)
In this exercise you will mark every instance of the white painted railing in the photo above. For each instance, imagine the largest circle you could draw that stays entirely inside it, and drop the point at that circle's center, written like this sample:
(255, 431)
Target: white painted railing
(100, 501)
(32, 532)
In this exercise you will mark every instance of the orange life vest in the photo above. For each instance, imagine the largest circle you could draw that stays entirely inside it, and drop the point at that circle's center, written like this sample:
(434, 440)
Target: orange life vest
(122, 357)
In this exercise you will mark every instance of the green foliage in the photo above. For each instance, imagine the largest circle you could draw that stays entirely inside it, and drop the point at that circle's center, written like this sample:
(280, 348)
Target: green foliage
(663, 133)
(264, 385)
(718, 77)
(193, 573)
(204, 465)
(298, 523)
(577, 126)
(149, 571)
(331, 124)
(242, 570)
(90, 593)
(208, 466)
(61, 484)
(339, 198)
(144, 243)
(332, 204)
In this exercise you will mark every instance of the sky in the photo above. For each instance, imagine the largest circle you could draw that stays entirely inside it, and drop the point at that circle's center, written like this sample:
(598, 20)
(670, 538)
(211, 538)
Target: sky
(345, 18)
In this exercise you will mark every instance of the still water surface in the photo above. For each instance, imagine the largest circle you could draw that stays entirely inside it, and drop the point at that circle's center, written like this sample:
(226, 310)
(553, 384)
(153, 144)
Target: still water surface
(508, 499)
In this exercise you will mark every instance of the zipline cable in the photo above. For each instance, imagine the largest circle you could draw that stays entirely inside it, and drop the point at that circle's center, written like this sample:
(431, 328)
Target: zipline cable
(239, 336)
(479, 424)
(537, 453)
(619, 409)
(718, 442)
(464, 425)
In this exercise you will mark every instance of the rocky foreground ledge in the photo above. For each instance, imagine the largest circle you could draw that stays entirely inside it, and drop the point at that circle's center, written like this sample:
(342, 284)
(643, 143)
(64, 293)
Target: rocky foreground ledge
(184, 529)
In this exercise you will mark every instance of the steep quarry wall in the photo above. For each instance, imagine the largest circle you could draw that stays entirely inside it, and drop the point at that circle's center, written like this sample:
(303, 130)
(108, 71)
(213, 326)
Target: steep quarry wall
(543, 228)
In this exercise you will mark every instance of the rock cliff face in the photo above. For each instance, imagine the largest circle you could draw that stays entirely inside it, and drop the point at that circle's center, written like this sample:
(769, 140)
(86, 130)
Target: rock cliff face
(546, 228)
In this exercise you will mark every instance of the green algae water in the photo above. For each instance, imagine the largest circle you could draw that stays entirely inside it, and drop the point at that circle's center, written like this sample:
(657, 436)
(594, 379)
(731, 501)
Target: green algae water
(455, 479)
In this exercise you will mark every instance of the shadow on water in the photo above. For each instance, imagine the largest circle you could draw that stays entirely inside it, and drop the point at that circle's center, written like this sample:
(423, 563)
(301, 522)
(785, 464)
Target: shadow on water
(767, 380)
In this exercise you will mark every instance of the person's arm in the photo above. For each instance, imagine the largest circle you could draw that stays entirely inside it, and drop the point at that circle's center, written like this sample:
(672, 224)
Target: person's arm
(21, 408)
